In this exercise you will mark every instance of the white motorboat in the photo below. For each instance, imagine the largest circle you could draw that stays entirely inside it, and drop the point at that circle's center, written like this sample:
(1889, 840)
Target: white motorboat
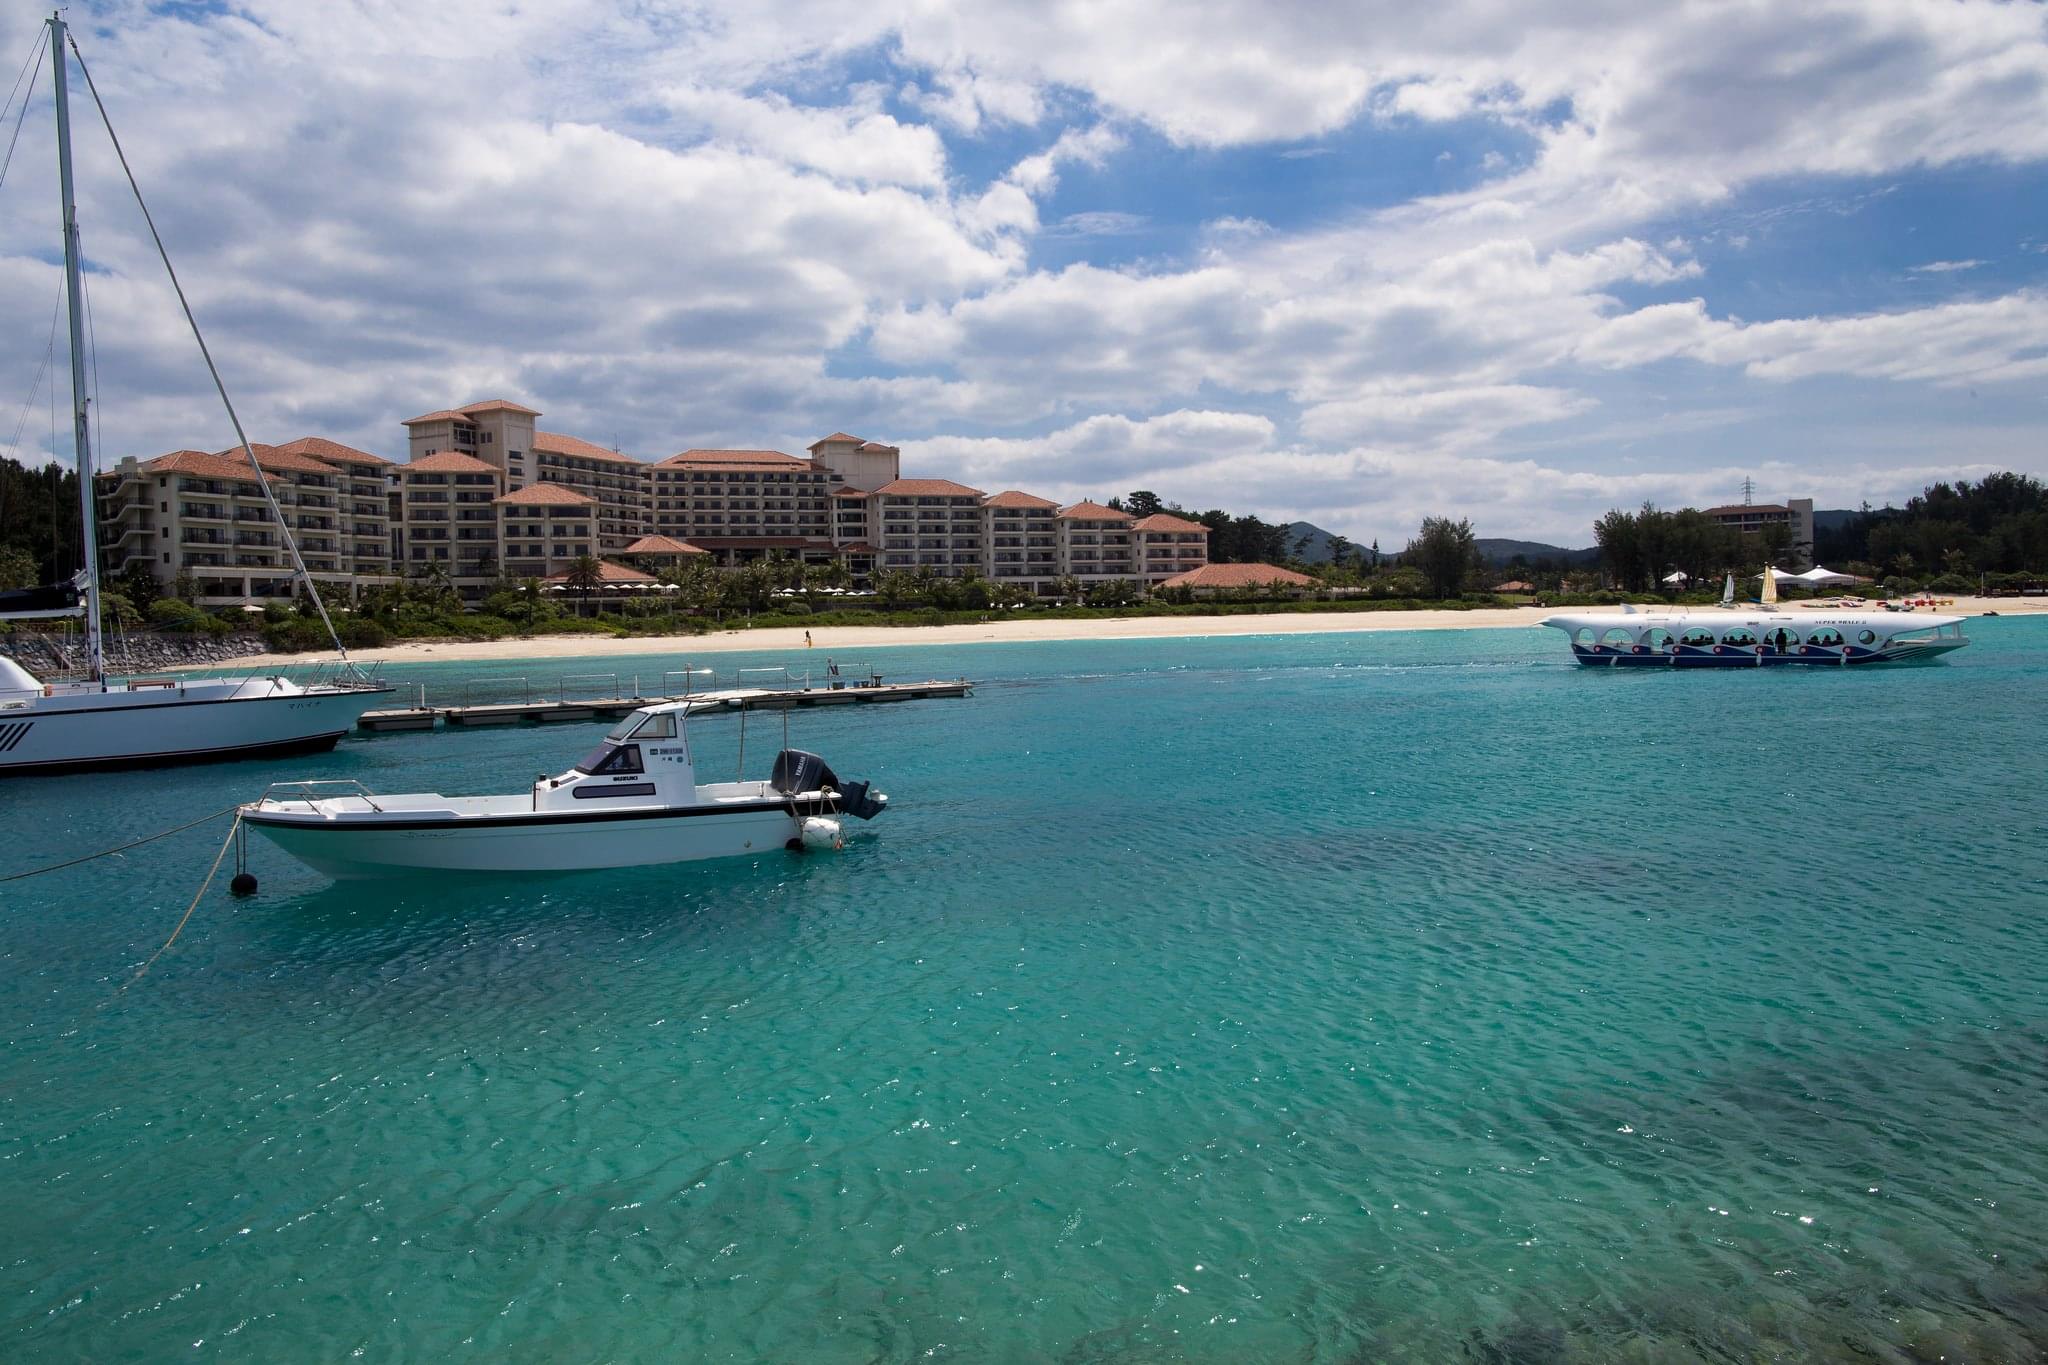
(1753, 636)
(631, 802)
(50, 727)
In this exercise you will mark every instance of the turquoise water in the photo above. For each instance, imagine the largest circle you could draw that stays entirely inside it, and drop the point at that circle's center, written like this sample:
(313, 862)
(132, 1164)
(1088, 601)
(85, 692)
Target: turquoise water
(1401, 996)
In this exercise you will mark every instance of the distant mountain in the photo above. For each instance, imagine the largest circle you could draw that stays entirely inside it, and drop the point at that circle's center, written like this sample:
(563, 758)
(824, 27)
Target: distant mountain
(1496, 551)
(1317, 549)
(1833, 519)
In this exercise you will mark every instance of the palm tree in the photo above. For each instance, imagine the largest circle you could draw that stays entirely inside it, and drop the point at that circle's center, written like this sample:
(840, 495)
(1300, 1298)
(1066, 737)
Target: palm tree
(585, 574)
(531, 601)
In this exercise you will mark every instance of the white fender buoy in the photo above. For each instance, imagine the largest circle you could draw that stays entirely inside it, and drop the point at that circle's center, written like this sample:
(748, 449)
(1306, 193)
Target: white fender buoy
(820, 831)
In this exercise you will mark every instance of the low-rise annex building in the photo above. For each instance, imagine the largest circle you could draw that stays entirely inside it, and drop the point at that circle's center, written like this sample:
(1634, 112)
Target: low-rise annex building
(1212, 579)
(656, 552)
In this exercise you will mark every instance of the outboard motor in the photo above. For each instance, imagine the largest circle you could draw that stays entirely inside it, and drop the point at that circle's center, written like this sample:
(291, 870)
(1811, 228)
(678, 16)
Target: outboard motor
(796, 771)
(856, 800)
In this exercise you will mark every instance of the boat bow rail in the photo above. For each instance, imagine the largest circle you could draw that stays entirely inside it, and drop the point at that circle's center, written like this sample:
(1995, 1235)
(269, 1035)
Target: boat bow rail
(306, 796)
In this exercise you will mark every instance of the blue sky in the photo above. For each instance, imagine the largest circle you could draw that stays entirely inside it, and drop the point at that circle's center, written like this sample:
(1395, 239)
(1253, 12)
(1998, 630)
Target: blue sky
(1355, 265)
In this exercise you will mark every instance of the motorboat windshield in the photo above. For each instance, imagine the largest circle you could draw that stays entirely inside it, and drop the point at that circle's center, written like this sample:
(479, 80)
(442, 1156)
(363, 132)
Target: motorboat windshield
(620, 751)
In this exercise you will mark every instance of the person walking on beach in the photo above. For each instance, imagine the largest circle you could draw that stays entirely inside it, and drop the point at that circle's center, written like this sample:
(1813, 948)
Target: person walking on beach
(807, 639)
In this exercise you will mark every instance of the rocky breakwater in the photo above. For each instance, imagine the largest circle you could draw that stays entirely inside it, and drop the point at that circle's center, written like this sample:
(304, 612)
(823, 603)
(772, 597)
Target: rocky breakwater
(43, 654)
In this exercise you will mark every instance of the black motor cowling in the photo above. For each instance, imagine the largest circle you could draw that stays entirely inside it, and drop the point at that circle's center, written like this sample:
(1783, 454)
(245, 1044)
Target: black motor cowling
(796, 771)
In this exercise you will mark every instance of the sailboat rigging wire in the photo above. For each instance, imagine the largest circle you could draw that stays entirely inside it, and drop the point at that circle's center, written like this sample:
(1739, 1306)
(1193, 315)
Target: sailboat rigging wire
(29, 404)
(291, 543)
(26, 95)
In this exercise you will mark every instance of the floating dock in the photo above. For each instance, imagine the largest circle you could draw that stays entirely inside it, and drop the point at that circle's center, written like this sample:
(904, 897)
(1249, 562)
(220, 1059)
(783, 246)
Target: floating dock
(543, 710)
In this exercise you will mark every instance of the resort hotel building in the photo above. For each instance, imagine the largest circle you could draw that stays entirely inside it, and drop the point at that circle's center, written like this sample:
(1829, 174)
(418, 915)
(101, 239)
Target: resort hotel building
(1795, 514)
(483, 496)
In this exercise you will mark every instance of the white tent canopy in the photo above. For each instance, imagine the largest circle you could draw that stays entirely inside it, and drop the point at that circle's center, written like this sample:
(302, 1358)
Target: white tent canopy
(1780, 576)
(1818, 576)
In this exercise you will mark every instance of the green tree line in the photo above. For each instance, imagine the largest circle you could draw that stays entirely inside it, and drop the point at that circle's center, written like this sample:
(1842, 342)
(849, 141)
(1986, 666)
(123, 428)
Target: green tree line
(1998, 525)
(38, 524)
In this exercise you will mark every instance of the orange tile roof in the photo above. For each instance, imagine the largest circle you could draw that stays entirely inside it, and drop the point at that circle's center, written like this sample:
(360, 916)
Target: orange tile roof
(1012, 498)
(444, 415)
(608, 572)
(273, 457)
(662, 545)
(721, 459)
(1092, 511)
(500, 405)
(198, 462)
(546, 495)
(334, 452)
(877, 445)
(554, 443)
(448, 462)
(1166, 521)
(835, 436)
(928, 488)
(850, 493)
(1236, 576)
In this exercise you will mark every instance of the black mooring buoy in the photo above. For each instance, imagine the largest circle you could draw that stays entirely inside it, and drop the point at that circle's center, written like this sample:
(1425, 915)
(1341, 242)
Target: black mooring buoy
(244, 884)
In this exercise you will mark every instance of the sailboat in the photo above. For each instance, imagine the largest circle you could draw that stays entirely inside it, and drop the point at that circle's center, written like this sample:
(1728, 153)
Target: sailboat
(98, 722)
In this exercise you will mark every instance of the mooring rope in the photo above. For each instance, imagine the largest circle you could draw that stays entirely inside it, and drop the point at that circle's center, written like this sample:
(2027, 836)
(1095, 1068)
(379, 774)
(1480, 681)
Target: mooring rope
(200, 895)
(121, 848)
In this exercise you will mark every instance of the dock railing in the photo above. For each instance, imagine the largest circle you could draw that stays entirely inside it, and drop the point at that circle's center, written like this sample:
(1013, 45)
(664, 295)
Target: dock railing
(589, 687)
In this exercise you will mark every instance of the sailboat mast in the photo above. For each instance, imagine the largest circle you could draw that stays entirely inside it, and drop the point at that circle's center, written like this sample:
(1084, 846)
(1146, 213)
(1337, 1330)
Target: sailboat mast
(80, 427)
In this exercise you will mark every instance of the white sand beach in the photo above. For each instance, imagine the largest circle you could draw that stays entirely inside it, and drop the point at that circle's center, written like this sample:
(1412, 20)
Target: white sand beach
(847, 639)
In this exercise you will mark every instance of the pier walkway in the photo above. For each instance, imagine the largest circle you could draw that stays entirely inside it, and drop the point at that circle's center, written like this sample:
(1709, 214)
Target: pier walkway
(585, 697)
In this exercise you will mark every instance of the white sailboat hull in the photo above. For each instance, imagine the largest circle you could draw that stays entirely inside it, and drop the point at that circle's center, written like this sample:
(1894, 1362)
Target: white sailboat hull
(76, 729)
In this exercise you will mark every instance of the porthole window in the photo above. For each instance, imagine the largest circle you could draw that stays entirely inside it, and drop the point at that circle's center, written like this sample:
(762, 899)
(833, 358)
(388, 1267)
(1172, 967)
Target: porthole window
(1866, 637)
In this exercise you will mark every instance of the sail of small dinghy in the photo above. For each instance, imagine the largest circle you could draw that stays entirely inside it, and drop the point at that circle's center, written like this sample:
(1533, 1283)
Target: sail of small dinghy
(1728, 592)
(1770, 593)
